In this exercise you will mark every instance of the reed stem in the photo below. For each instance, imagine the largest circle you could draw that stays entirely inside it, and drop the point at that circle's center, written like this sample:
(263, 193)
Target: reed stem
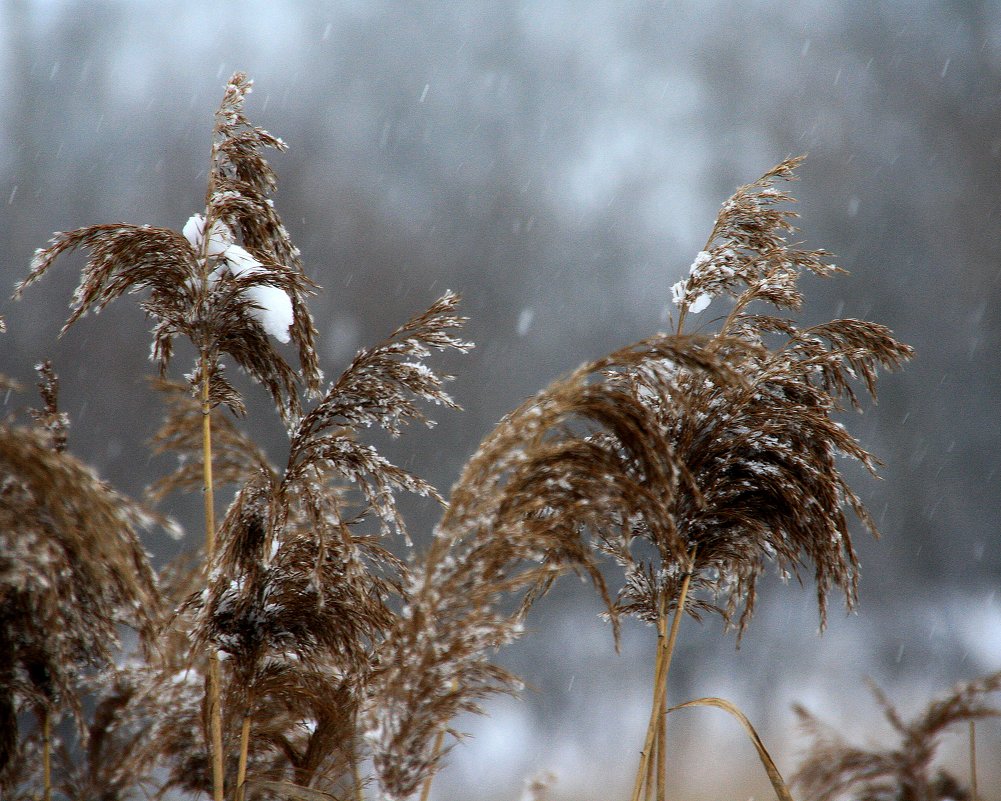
(650, 782)
(662, 756)
(356, 776)
(665, 654)
(212, 691)
(439, 741)
(207, 485)
(658, 744)
(973, 762)
(241, 770)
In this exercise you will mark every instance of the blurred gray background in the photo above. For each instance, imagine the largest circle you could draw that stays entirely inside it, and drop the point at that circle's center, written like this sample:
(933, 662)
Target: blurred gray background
(559, 164)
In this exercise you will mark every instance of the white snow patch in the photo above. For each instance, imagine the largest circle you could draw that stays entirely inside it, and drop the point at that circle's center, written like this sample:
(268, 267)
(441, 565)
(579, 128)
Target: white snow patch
(700, 304)
(272, 306)
(678, 293)
(220, 237)
(702, 258)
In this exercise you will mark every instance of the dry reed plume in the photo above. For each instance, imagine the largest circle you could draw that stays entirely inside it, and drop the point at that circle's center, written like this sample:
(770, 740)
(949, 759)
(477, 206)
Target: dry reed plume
(835, 770)
(226, 298)
(692, 461)
(71, 570)
(205, 286)
(299, 589)
(301, 595)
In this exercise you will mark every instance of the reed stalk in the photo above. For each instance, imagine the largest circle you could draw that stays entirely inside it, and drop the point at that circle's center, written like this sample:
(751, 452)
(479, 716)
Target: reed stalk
(241, 771)
(212, 690)
(359, 791)
(662, 757)
(650, 781)
(660, 763)
(664, 656)
(439, 741)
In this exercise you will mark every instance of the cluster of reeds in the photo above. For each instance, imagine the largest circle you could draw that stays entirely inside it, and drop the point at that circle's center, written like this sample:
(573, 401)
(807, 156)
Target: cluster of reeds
(691, 460)
(311, 649)
(835, 770)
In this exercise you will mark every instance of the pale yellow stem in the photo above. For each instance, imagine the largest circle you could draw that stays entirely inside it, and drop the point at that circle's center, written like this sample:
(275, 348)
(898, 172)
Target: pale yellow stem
(662, 756)
(649, 782)
(356, 773)
(973, 762)
(207, 485)
(214, 682)
(665, 655)
(439, 741)
(241, 771)
(658, 676)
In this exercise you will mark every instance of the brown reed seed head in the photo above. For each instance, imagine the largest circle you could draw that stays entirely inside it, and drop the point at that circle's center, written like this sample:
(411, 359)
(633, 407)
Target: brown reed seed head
(302, 589)
(236, 458)
(108, 763)
(226, 298)
(71, 569)
(719, 447)
(764, 454)
(722, 445)
(834, 770)
(49, 417)
(515, 522)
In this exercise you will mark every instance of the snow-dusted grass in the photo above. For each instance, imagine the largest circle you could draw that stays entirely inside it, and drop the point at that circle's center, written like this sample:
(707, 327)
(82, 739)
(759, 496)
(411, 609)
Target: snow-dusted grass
(311, 651)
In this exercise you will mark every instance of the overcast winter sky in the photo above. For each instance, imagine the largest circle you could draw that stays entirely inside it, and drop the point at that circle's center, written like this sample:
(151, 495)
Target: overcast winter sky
(560, 164)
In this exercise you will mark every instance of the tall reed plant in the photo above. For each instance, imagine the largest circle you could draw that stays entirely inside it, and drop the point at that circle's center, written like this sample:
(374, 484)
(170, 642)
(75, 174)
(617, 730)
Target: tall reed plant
(692, 460)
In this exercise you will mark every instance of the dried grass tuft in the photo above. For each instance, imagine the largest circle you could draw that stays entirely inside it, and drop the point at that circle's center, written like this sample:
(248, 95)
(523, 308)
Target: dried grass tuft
(834, 770)
(72, 569)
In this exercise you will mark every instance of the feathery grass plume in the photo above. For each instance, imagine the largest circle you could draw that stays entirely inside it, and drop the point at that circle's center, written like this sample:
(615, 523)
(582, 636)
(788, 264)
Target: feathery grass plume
(236, 458)
(108, 763)
(240, 182)
(225, 297)
(299, 593)
(835, 770)
(687, 459)
(71, 570)
(49, 418)
(582, 458)
(167, 711)
(764, 455)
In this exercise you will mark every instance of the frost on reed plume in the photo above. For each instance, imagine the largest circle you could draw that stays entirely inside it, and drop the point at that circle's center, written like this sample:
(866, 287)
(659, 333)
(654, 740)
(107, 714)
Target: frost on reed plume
(691, 460)
(834, 770)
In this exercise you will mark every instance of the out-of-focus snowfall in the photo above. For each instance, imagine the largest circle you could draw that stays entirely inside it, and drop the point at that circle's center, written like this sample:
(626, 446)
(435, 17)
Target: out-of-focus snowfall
(560, 164)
